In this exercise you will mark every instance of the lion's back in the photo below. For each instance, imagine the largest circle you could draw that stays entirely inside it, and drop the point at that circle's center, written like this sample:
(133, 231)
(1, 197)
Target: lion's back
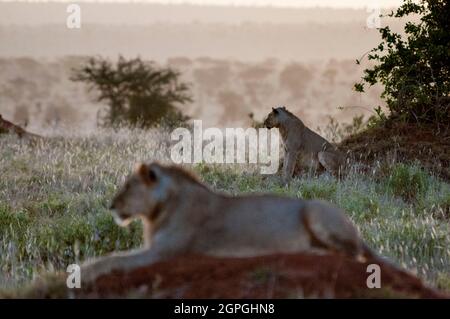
(254, 225)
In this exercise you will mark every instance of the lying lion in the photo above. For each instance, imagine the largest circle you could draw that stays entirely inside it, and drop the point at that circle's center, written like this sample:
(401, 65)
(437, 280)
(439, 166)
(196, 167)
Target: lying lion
(9, 128)
(181, 215)
(303, 147)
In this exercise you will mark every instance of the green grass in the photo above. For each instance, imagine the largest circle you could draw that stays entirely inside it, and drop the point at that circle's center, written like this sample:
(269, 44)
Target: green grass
(54, 198)
(409, 182)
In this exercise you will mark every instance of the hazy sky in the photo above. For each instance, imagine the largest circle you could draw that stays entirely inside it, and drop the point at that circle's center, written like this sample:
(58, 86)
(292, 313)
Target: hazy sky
(290, 3)
(299, 3)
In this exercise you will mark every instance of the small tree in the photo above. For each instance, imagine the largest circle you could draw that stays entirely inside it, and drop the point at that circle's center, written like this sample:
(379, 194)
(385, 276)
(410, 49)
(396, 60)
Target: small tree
(137, 93)
(415, 71)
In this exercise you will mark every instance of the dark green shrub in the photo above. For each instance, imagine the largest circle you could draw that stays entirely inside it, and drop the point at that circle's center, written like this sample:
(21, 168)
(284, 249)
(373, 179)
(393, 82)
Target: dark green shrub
(415, 68)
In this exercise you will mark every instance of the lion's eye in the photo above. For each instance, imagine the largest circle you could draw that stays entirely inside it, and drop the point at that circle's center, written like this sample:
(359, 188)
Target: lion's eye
(152, 176)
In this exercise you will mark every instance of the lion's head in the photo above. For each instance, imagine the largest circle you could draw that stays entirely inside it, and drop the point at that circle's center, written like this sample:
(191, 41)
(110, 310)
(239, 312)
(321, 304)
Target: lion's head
(149, 190)
(274, 118)
(144, 194)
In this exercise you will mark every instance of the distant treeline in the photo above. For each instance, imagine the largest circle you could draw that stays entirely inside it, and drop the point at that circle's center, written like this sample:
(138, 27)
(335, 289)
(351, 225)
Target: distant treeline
(224, 92)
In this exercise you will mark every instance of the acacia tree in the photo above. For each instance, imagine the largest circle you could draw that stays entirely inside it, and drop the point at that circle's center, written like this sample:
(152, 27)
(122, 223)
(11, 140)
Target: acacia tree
(137, 93)
(415, 68)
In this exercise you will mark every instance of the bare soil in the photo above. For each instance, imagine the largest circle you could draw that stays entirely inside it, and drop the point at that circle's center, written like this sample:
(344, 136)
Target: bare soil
(403, 142)
(275, 276)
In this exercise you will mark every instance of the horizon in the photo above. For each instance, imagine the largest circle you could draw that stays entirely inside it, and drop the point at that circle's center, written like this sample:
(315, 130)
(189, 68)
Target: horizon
(304, 4)
(275, 48)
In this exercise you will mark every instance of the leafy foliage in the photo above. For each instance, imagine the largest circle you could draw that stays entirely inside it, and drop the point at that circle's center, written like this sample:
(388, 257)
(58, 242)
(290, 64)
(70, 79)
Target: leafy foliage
(415, 68)
(137, 93)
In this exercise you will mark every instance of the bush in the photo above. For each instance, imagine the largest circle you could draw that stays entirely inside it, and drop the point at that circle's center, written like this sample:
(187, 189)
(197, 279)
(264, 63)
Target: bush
(137, 93)
(415, 71)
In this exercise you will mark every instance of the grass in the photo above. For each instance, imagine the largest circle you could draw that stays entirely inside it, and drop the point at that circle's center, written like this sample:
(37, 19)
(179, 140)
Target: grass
(54, 197)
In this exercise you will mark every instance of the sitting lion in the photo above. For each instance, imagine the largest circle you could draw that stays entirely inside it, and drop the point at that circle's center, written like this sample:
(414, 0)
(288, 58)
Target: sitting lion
(303, 147)
(181, 215)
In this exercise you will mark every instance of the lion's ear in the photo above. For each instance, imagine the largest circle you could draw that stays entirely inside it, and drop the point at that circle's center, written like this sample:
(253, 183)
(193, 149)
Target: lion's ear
(141, 168)
(146, 173)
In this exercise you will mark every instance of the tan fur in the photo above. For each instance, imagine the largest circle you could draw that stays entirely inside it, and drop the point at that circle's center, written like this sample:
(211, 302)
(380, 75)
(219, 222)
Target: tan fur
(303, 148)
(181, 215)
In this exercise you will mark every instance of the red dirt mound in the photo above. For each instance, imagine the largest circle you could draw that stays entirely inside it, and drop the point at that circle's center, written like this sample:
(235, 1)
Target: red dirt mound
(276, 276)
(403, 142)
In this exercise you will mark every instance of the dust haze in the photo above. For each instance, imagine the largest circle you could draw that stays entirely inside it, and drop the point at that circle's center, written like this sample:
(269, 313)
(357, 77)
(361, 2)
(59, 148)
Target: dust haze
(238, 61)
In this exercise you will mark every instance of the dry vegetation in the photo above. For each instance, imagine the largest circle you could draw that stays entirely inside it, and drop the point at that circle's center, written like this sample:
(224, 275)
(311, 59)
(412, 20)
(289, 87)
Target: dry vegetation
(54, 196)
